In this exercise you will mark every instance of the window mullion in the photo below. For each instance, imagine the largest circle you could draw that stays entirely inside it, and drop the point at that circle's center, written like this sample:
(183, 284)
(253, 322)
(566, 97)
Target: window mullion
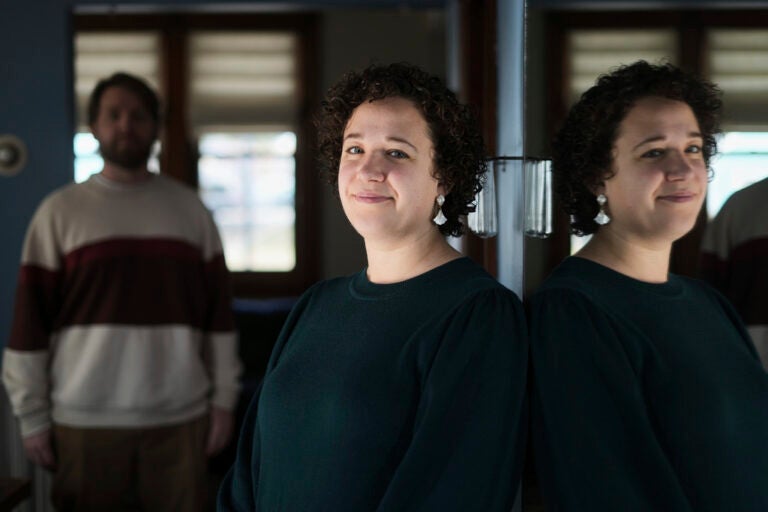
(175, 159)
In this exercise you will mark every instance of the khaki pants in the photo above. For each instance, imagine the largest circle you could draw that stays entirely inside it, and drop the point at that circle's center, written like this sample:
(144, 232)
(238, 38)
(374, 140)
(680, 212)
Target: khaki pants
(148, 469)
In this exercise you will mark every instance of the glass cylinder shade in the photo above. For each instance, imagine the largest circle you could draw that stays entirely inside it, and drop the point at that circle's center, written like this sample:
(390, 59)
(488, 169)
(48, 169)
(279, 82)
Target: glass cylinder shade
(538, 198)
(482, 221)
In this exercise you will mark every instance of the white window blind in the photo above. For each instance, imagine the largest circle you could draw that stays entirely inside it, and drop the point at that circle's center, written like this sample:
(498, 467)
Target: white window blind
(738, 63)
(100, 54)
(595, 52)
(242, 79)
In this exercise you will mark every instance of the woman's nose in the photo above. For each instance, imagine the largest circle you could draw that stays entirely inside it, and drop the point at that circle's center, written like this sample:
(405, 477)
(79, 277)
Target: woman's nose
(680, 166)
(371, 169)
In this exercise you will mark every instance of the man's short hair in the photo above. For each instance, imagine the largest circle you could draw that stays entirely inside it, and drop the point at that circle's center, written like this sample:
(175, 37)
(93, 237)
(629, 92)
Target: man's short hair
(127, 81)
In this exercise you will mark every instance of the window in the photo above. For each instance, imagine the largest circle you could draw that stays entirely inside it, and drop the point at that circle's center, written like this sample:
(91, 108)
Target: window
(248, 181)
(737, 60)
(742, 160)
(237, 92)
(596, 51)
(738, 63)
(242, 110)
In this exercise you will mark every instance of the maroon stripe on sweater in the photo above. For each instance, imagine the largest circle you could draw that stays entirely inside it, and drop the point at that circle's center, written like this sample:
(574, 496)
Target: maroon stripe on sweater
(35, 308)
(35, 275)
(133, 247)
(139, 282)
(744, 280)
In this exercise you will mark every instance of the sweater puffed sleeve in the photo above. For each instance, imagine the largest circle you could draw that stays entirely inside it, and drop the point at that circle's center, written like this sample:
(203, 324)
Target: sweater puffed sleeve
(239, 488)
(466, 450)
(593, 440)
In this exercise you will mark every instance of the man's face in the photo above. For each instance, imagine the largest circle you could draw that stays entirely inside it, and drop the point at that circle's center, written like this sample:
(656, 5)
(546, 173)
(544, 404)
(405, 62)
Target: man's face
(124, 128)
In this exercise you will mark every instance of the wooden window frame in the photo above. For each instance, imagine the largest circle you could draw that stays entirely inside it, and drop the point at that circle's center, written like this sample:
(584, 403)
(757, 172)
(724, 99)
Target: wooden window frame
(479, 89)
(178, 158)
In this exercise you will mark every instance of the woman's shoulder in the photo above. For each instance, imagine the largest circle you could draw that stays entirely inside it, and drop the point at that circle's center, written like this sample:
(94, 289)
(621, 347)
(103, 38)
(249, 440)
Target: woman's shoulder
(326, 287)
(579, 288)
(469, 282)
(573, 276)
(698, 290)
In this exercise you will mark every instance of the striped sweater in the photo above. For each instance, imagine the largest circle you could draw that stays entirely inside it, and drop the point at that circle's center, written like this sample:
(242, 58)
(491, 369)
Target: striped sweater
(123, 310)
(735, 258)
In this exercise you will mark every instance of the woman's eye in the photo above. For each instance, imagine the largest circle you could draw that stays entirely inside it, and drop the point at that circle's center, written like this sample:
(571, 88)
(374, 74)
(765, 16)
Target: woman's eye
(396, 153)
(653, 153)
(694, 149)
(354, 150)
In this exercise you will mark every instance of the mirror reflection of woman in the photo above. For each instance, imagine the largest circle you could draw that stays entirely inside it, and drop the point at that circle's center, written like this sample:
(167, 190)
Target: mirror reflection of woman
(400, 387)
(648, 393)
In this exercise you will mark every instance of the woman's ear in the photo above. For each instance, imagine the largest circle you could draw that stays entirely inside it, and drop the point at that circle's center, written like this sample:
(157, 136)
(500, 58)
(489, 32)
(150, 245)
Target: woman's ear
(599, 187)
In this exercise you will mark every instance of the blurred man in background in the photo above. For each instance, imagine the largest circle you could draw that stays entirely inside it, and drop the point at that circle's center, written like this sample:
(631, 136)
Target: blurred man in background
(122, 362)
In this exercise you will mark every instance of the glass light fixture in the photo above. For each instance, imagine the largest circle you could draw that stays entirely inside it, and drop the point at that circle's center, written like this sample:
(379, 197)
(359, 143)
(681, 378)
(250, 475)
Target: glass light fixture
(483, 221)
(538, 197)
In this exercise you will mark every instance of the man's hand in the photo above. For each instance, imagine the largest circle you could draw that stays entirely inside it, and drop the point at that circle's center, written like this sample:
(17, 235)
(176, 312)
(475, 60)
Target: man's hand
(220, 429)
(39, 450)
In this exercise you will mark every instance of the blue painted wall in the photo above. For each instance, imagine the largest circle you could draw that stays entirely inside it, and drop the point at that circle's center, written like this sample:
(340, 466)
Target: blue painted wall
(35, 94)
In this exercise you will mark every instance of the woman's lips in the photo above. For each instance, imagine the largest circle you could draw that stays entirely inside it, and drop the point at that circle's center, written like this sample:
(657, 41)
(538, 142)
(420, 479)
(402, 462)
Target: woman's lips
(681, 197)
(370, 198)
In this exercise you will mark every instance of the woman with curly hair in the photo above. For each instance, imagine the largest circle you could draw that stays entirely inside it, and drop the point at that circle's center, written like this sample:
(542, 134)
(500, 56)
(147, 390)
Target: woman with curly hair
(400, 387)
(648, 393)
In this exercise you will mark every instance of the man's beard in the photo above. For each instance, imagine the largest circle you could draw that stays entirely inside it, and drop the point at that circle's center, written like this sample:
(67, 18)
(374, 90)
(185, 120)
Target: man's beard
(134, 156)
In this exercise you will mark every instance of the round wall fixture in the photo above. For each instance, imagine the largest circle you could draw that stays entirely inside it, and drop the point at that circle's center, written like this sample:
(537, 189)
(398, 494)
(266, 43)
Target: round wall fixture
(13, 154)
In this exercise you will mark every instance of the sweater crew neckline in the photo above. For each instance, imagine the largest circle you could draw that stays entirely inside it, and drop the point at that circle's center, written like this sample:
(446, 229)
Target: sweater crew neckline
(671, 288)
(102, 181)
(362, 288)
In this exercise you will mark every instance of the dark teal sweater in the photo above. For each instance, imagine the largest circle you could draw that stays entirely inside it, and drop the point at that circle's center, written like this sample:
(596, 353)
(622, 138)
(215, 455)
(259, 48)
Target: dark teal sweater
(646, 396)
(399, 397)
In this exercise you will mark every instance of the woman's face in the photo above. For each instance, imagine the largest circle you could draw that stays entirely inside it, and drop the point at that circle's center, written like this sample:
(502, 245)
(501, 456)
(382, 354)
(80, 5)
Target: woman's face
(386, 184)
(660, 177)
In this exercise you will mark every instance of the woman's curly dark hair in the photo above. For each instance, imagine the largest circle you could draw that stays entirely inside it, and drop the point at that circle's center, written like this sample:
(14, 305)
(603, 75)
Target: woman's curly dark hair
(459, 152)
(583, 147)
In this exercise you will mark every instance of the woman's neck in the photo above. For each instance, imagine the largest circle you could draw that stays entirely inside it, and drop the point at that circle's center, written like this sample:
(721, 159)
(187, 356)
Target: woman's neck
(636, 259)
(393, 263)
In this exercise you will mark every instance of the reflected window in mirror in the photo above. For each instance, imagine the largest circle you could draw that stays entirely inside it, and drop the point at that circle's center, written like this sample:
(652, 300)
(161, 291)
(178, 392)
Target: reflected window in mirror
(593, 52)
(738, 62)
(741, 161)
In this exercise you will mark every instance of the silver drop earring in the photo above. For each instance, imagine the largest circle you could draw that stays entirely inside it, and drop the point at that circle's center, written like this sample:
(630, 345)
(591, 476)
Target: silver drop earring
(440, 219)
(602, 218)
